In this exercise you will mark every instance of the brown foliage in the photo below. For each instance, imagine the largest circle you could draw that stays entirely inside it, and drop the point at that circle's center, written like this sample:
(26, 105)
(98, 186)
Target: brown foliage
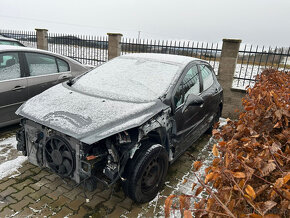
(251, 172)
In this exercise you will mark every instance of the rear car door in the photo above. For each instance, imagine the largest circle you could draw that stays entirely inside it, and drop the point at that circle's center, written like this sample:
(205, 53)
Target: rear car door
(187, 121)
(209, 91)
(13, 86)
(45, 71)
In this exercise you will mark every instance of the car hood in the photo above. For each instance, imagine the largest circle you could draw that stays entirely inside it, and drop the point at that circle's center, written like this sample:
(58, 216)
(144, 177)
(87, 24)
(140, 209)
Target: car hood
(84, 117)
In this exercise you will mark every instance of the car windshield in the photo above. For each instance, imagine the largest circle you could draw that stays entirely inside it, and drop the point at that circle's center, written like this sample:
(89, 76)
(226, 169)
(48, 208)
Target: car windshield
(128, 79)
(5, 42)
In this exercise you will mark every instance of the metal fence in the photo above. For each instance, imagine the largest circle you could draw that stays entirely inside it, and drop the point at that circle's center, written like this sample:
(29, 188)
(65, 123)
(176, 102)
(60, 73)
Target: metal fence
(207, 51)
(28, 38)
(252, 60)
(93, 50)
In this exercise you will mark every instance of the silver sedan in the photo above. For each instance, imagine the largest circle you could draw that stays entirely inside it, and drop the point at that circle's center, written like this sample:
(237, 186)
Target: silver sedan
(26, 72)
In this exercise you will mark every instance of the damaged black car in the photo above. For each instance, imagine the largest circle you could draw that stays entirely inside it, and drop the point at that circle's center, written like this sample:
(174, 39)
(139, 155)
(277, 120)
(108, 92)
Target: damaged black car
(127, 120)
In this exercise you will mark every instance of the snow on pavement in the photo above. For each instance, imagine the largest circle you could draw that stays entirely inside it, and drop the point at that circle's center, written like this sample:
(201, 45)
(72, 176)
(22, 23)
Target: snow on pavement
(10, 158)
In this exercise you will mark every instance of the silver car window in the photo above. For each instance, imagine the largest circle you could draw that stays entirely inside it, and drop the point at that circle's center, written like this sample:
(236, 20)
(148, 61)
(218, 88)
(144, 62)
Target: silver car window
(62, 65)
(9, 66)
(40, 64)
(191, 82)
(207, 77)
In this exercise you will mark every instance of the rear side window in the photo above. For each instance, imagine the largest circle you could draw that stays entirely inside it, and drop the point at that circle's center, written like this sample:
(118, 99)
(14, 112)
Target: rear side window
(40, 64)
(9, 66)
(4, 42)
(207, 76)
(62, 65)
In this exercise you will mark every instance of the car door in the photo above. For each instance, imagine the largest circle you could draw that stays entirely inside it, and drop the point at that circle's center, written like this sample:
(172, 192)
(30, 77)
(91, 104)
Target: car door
(44, 71)
(209, 92)
(187, 121)
(13, 86)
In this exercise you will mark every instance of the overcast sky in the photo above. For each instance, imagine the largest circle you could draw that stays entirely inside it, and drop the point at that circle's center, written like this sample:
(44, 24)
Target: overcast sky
(259, 22)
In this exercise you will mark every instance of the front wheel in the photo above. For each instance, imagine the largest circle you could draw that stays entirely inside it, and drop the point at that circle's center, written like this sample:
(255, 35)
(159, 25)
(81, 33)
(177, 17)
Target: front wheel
(146, 173)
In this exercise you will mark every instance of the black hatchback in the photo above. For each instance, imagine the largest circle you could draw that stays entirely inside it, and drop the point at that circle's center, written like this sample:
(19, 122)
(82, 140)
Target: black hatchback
(127, 119)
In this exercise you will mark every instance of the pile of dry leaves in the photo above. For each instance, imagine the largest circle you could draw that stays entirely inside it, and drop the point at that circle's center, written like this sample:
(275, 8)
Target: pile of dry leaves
(250, 175)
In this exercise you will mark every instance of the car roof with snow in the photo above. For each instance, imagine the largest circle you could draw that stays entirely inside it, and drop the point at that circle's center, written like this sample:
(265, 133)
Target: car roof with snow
(4, 48)
(8, 39)
(167, 58)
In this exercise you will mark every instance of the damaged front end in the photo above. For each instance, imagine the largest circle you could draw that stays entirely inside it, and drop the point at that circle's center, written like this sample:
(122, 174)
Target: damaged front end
(102, 162)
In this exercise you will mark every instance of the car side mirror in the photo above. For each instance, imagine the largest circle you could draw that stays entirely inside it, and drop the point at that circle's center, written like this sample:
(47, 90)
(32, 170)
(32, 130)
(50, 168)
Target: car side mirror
(192, 100)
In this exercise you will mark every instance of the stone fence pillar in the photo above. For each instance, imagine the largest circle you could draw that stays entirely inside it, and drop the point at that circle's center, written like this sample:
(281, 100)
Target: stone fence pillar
(114, 47)
(227, 67)
(41, 37)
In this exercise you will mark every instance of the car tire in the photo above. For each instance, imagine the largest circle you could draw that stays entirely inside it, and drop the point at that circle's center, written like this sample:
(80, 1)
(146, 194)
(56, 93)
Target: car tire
(145, 173)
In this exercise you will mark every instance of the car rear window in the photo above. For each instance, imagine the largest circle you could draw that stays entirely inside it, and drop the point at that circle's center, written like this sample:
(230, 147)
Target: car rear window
(128, 79)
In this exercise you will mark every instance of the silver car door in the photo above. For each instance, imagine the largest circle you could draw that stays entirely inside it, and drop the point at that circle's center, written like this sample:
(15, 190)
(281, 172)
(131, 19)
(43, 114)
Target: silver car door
(13, 87)
(43, 72)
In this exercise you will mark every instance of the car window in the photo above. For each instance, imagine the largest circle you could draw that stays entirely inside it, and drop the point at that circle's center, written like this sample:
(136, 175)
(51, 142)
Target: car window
(62, 65)
(5, 42)
(9, 66)
(40, 64)
(207, 76)
(189, 85)
(178, 97)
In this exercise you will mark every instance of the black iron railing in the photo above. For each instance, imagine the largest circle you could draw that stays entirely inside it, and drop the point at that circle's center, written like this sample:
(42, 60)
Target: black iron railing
(252, 60)
(92, 50)
(207, 51)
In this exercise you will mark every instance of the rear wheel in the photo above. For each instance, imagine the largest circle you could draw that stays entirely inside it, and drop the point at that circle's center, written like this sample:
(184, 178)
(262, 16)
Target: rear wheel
(145, 173)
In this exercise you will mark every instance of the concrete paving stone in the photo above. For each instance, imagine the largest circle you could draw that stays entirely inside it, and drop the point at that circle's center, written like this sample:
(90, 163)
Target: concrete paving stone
(7, 212)
(134, 212)
(25, 175)
(72, 194)
(76, 203)
(46, 212)
(126, 203)
(64, 212)
(117, 212)
(42, 203)
(20, 195)
(7, 183)
(21, 204)
(88, 194)
(26, 166)
(39, 184)
(5, 202)
(81, 213)
(52, 177)
(112, 202)
(60, 202)
(7, 192)
(23, 184)
(106, 194)
(39, 175)
(36, 169)
(58, 192)
(96, 200)
(38, 194)
(53, 185)
(26, 212)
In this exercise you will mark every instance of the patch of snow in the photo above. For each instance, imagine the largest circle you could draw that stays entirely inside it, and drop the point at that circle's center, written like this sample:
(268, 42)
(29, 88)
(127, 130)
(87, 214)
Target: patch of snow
(179, 59)
(79, 114)
(129, 79)
(12, 158)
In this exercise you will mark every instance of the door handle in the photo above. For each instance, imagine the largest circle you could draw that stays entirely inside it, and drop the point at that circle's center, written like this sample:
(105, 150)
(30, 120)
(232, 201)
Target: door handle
(16, 88)
(63, 77)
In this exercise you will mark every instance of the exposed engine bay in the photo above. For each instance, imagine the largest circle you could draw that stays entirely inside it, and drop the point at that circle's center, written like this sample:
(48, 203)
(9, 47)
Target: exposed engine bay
(101, 162)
